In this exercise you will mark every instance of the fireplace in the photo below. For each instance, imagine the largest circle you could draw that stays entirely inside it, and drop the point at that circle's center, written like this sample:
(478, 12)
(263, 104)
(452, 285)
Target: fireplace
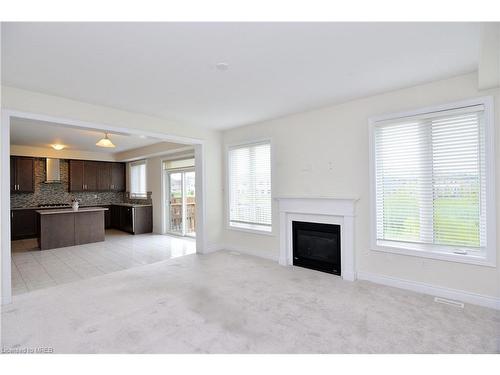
(338, 211)
(316, 246)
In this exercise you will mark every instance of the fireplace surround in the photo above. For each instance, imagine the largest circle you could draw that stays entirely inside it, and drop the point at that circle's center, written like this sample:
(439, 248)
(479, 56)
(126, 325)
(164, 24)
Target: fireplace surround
(323, 210)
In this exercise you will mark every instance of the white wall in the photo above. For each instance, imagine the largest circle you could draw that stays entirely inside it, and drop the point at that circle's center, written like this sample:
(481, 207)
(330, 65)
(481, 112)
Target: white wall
(45, 152)
(148, 151)
(38, 103)
(153, 184)
(305, 144)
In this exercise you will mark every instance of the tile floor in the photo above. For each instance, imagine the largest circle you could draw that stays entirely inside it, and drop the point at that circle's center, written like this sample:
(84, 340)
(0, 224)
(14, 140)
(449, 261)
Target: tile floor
(34, 269)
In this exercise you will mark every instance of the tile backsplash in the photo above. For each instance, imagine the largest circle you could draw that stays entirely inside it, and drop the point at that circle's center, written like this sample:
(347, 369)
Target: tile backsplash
(147, 200)
(58, 192)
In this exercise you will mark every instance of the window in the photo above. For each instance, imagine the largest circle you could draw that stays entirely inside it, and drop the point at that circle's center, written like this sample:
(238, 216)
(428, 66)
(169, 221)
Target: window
(430, 182)
(249, 177)
(138, 180)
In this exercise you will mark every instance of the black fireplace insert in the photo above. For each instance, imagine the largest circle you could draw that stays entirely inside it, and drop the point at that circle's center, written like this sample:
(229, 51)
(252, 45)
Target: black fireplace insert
(316, 246)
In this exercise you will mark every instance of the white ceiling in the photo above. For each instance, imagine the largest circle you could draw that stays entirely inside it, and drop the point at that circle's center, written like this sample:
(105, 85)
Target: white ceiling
(24, 132)
(168, 69)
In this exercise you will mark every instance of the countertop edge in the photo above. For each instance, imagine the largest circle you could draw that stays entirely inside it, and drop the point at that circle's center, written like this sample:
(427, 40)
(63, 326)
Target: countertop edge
(71, 211)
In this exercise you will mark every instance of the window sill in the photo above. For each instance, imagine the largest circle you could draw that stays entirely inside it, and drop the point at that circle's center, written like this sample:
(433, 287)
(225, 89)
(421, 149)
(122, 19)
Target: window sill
(247, 229)
(404, 249)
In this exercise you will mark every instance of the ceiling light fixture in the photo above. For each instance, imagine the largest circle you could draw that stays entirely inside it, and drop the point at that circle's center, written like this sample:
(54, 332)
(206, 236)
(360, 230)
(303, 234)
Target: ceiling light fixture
(58, 147)
(222, 66)
(105, 142)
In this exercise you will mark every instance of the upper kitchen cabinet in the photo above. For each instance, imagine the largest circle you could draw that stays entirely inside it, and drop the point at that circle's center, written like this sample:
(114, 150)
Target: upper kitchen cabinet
(87, 175)
(22, 176)
(90, 172)
(104, 176)
(118, 176)
(76, 175)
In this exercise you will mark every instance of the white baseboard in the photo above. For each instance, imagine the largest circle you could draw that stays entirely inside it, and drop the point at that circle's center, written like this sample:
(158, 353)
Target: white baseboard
(454, 294)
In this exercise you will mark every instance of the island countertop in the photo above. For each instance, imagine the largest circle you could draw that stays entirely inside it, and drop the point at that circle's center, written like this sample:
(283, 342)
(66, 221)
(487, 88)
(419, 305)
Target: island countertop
(64, 227)
(70, 210)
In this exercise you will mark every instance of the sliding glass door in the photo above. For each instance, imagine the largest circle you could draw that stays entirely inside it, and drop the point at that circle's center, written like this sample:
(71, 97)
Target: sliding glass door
(181, 202)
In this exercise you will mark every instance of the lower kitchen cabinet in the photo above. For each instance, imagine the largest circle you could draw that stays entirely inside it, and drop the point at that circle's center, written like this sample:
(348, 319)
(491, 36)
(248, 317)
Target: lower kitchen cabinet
(115, 216)
(107, 217)
(23, 224)
(132, 219)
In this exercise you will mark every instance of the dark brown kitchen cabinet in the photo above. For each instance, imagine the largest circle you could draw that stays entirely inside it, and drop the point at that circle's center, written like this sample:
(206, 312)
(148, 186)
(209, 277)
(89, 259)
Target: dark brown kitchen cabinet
(23, 224)
(132, 219)
(91, 176)
(115, 216)
(22, 176)
(12, 174)
(104, 176)
(143, 219)
(107, 217)
(90, 170)
(118, 176)
(76, 175)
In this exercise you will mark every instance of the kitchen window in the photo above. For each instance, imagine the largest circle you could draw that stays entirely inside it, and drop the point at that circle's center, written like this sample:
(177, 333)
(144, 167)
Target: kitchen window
(249, 186)
(433, 183)
(138, 180)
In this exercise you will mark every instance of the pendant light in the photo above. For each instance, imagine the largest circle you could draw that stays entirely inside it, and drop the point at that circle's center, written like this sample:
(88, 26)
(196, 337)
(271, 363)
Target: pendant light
(105, 142)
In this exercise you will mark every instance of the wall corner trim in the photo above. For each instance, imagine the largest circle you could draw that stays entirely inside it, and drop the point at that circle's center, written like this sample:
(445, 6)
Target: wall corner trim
(6, 300)
(433, 290)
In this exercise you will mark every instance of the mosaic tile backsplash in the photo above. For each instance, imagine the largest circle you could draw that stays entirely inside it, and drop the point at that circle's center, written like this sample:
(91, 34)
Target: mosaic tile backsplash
(58, 192)
(147, 200)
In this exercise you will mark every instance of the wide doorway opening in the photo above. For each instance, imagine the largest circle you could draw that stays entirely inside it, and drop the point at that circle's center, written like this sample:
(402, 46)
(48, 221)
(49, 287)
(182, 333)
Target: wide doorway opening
(80, 178)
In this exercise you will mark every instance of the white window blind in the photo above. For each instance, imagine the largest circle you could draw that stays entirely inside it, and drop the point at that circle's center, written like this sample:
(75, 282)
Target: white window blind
(138, 179)
(430, 179)
(250, 186)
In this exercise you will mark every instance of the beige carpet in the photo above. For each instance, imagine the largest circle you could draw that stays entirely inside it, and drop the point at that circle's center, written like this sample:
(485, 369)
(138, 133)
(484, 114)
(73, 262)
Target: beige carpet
(229, 303)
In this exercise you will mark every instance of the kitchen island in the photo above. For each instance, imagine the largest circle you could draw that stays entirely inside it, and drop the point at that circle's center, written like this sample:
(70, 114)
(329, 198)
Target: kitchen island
(66, 227)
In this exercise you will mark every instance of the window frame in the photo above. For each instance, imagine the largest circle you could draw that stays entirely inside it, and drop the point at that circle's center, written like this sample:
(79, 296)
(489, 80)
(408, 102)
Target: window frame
(486, 258)
(132, 164)
(247, 229)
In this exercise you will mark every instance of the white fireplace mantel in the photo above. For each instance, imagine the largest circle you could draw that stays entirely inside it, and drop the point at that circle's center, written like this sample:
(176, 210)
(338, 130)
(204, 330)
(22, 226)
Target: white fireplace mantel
(328, 210)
